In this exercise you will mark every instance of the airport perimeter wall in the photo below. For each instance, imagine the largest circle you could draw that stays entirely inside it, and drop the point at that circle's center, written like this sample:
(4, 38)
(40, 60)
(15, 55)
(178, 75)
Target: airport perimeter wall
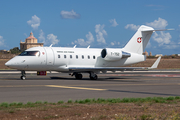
(7, 56)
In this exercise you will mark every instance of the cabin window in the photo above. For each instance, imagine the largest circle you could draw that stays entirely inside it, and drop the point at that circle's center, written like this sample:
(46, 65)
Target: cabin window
(58, 56)
(30, 53)
(82, 56)
(76, 56)
(88, 57)
(64, 56)
(94, 57)
(71, 56)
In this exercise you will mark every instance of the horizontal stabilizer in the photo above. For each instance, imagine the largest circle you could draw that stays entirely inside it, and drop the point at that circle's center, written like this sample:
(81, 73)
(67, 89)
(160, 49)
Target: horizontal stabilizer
(156, 63)
(156, 30)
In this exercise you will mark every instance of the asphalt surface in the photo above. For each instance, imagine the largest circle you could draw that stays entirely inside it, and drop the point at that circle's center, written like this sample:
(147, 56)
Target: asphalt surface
(60, 86)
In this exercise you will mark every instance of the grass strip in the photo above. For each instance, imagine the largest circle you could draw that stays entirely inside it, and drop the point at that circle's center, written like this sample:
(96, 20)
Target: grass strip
(170, 99)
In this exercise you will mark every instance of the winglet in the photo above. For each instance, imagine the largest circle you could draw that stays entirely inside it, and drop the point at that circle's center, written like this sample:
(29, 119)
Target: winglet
(51, 45)
(156, 63)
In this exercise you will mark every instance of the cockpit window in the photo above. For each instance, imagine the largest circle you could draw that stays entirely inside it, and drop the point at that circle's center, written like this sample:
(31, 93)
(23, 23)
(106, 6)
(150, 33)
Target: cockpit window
(30, 53)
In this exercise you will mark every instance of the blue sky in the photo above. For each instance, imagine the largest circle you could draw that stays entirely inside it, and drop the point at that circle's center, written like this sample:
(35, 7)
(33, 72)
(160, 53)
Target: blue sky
(99, 23)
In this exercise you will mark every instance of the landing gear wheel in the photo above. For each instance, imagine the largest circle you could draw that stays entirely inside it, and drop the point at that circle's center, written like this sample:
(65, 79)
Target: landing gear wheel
(23, 77)
(78, 76)
(95, 77)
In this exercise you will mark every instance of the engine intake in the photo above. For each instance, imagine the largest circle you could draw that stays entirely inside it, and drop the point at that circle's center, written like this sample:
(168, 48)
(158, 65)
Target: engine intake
(113, 54)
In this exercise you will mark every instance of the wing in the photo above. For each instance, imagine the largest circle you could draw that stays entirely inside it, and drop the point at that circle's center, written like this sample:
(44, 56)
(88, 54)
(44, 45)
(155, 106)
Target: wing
(87, 69)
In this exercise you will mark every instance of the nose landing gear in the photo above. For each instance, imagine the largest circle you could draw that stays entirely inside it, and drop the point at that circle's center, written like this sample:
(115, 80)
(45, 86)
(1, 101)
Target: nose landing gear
(23, 75)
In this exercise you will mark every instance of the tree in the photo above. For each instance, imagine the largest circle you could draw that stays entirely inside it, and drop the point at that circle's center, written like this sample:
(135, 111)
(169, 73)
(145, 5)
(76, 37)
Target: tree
(15, 50)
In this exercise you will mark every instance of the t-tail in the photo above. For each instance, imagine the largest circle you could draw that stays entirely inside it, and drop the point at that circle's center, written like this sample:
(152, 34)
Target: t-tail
(138, 42)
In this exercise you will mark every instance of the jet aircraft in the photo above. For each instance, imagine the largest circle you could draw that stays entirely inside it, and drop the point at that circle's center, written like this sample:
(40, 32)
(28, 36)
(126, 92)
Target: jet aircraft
(85, 60)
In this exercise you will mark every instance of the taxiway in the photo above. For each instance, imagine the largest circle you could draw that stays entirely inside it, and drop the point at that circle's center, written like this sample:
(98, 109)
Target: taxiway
(60, 86)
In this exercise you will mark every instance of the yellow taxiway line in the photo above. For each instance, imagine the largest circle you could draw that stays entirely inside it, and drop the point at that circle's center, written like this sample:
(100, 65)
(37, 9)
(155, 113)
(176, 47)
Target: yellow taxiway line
(86, 88)
(82, 88)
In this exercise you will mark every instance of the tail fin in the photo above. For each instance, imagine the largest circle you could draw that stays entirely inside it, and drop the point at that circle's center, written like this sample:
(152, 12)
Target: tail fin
(138, 42)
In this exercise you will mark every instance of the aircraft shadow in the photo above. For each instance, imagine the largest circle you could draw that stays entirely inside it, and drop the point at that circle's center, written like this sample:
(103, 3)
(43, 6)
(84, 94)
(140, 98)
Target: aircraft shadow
(112, 79)
(150, 93)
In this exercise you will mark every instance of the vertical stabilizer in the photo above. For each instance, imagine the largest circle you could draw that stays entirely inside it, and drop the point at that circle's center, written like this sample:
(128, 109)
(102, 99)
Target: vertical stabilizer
(138, 42)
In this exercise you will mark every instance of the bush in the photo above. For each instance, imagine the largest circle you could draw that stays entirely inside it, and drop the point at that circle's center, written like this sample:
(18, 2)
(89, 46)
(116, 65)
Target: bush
(4, 104)
(60, 102)
(69, 101)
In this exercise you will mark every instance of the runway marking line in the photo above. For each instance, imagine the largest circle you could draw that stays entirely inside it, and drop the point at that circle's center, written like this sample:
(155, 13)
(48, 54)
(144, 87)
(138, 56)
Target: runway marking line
(161, 84)
(21, 85)
(82, 88)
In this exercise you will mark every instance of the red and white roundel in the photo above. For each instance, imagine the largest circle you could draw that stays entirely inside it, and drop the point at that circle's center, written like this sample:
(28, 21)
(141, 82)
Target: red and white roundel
(139, 39)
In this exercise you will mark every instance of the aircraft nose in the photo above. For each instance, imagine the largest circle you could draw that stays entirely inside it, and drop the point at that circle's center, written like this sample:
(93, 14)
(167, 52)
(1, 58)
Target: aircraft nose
(8, 63)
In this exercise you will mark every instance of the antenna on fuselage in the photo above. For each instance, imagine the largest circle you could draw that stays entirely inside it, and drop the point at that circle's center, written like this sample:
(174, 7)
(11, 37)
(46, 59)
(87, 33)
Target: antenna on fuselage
(88, 47)
(74, 46)
(51, 45)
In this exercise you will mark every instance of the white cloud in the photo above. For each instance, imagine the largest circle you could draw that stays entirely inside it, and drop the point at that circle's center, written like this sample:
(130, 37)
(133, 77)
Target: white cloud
(132, 27)
(171, 45)
(112, 43)
(82, 42)
(51, 38)
(90, 38)
(1, 41)
(162, 38)
(156, 7)
(148, 45)
(158, 24)
(100, 33)
(115, 43)
(34, 22)
(69, 14)
(41, 36)
(113, 22)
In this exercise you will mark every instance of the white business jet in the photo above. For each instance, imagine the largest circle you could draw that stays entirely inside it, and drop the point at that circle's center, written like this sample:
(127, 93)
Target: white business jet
(85, 60)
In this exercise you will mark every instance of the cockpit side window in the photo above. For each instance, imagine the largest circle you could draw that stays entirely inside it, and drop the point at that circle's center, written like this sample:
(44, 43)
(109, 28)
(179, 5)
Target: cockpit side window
(30, 53)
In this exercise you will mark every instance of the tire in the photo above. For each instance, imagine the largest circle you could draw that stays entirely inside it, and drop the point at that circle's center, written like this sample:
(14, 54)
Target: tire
(94, 78)
(78, 76)
(23, 77)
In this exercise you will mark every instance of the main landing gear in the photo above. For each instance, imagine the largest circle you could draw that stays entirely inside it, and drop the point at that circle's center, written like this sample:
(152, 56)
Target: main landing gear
(79, 76)
(93, 76)
(23, 75)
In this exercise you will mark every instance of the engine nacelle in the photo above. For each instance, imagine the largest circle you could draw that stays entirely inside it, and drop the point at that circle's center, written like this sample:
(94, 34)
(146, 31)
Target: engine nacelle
(113, 54)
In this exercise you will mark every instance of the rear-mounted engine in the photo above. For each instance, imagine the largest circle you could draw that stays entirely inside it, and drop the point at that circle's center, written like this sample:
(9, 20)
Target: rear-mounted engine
(113, 54)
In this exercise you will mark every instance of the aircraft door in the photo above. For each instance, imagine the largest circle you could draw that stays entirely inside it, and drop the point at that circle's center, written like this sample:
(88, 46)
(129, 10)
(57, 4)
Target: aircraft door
(49, 56)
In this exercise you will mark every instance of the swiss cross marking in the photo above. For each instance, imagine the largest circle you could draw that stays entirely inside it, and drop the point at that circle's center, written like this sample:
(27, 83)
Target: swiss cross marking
(139, 39)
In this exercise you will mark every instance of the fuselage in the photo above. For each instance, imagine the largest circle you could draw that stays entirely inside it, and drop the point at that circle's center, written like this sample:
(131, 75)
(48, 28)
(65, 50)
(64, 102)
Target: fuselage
(61, 58)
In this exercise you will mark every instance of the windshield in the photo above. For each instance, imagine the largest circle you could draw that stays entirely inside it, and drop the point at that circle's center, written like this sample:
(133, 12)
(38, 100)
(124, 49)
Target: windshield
(30, 53)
